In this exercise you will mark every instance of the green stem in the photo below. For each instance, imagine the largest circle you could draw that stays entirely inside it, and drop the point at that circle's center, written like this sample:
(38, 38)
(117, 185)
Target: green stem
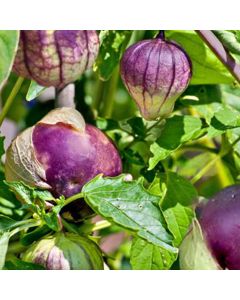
(101, 225)
(25, 225)
(154, 125)
(199, 147)
(204, 170)
(16, 247)
(73, 198)
(223, 173)
(109, 94)
(133, 142)
(10, 99)
(69, 227)
(136, 140)
(235, 142)
(88, 228)
(98, 94)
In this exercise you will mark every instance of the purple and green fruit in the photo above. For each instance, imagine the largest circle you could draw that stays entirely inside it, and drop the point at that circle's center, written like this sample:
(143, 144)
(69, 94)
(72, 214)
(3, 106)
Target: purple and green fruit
(140, 171)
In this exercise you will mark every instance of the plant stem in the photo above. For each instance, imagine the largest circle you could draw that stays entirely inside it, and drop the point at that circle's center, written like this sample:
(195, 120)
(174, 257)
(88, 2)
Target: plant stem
(69, 227)
(204, 170)
(224, 56)
(199, 147)
(73, 198)
(109, 94)
(10, 99)
(88, 228)
(161, 35)
(224, 175)
(65, 97)
(101, 225)
(25, 224)
(98, 94)
(154, 125)
(136, 140)
(235, 142)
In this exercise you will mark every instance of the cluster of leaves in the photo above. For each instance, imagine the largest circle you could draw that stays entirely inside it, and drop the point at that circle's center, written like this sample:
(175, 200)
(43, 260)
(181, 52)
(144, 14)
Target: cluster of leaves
(125, 203)
(193, 153)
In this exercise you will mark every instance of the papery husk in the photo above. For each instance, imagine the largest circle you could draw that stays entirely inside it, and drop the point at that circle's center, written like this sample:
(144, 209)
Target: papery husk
(65, 252)
(21, 162)
(194, 253)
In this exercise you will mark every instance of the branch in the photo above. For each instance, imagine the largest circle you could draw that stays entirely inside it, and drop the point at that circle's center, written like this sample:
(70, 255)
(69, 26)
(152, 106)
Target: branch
(224, 56)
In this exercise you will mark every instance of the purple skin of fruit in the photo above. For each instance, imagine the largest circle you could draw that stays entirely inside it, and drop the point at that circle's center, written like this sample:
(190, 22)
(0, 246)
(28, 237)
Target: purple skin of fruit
(55, 57)
(61, 153)
(220, 223)
(155, 72)
(72, 158)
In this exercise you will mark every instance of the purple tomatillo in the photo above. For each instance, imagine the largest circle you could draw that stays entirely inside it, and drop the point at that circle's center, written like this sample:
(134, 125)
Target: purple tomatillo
(61, 153)
(155, 73)
(55, 57)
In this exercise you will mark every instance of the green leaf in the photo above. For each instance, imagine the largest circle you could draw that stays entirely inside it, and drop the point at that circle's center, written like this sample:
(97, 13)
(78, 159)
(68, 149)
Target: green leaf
(17, 264)
(178, 218)
(137, 126)
(8, 48)
(1, 146)
(231, 94)
(225, 118)
(34, 90)
(21, 190)
(7, 223)
(113, 43)
(28, 194)
(52, 218)
(207, 68)
(106, 124)
(179, 190)
(52, 221)
(4, 240)
(42, 195)
(155, 186)
(205, 99)
(9, 205)
(146, 256)
(134, 126)
(177, 130)
(34, 235)
(129, 205)
(229, 40)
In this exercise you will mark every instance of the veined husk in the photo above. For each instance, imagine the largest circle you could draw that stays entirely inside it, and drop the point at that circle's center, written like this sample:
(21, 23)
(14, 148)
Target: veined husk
(194, 253)
(21, 162)
(65, 252)
(55, 57)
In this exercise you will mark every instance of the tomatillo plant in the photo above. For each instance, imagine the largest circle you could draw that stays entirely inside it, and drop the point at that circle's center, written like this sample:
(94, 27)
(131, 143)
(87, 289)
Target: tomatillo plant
(91, 180)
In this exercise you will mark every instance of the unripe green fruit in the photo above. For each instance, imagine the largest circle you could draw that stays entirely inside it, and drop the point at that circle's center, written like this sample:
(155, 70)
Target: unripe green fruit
(65, 252)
